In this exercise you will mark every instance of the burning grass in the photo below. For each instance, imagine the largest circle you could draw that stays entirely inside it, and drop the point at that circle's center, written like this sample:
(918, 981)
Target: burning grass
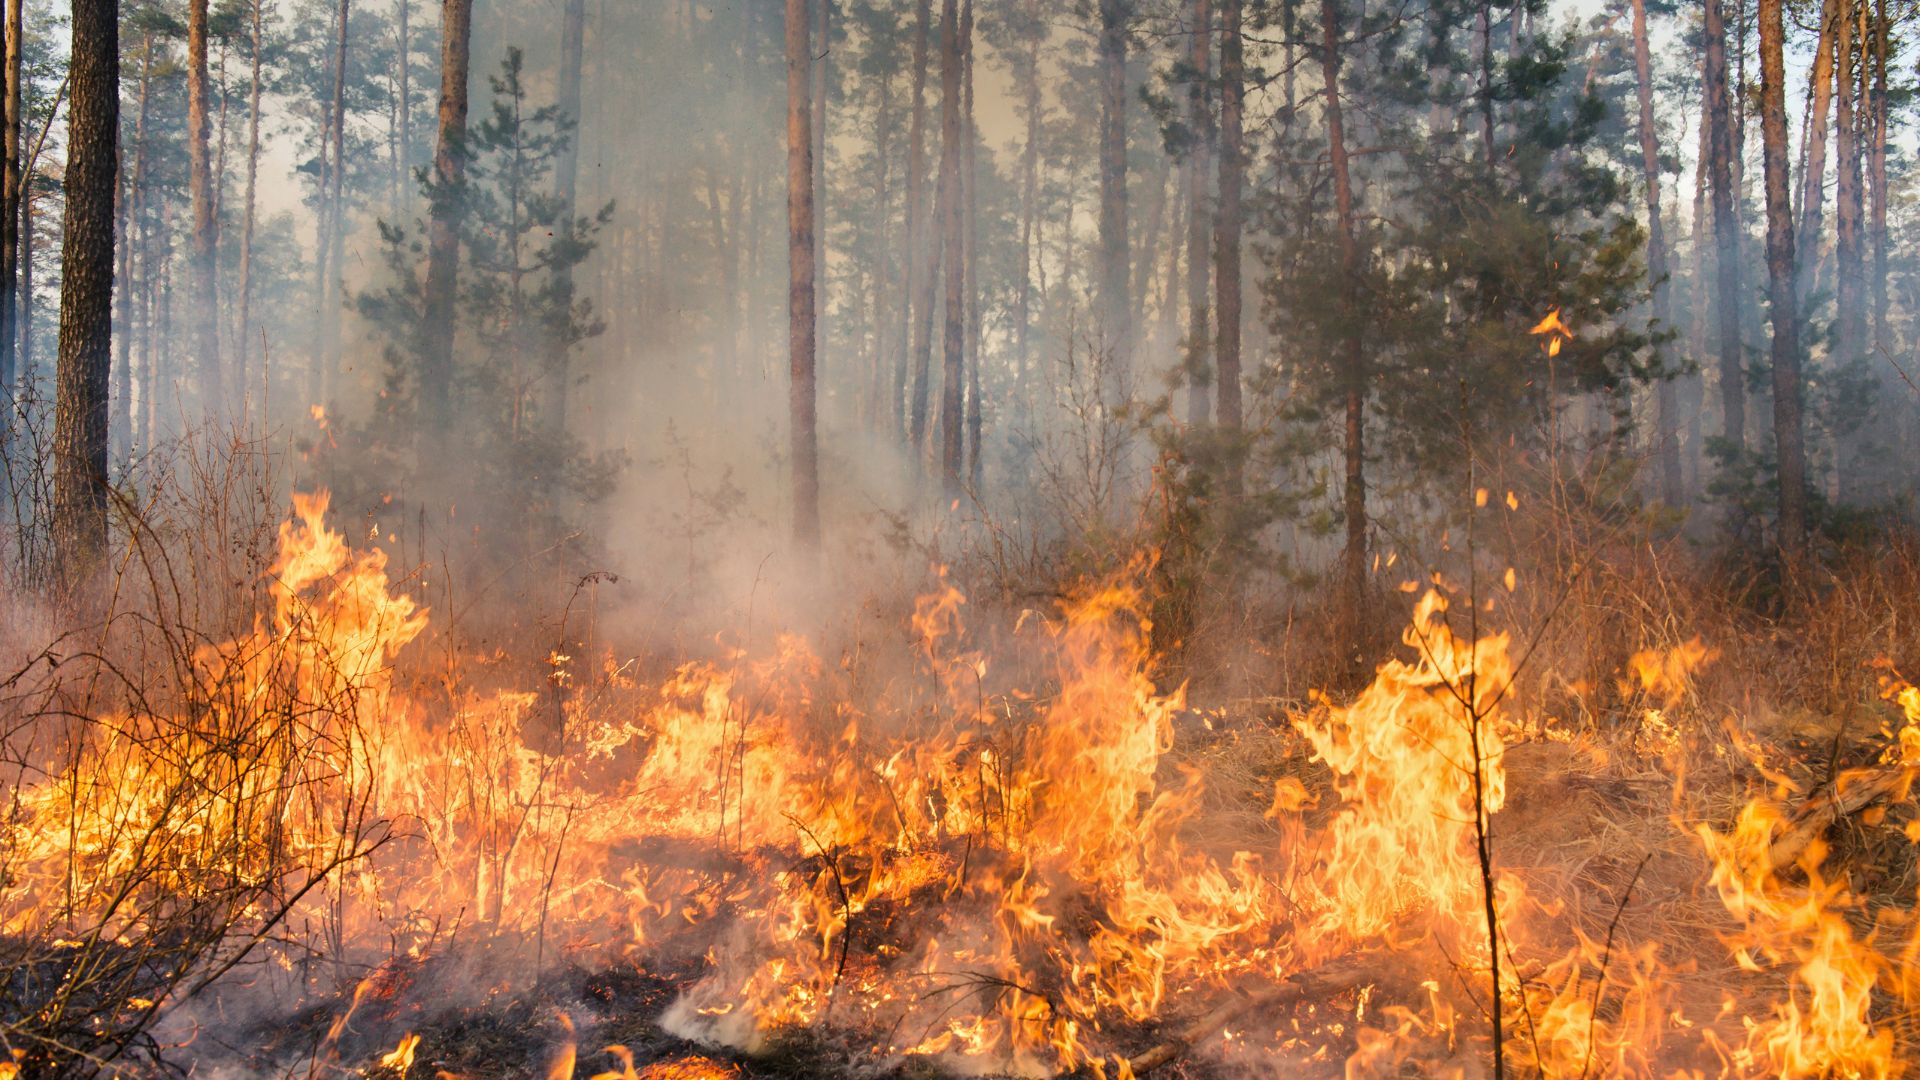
(1004, 845)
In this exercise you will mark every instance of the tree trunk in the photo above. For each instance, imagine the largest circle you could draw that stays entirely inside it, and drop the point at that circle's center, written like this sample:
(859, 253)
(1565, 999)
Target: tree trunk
(1694, 396)
(1483, 24)
(801, 327)
(969, 185)
(1353, 558)
(1199, 220)
(953, 354)
(1813, 174)
(1227, 226)
(922, 257)
(1733, 391)
(1877, 175)
(1849, 208)
(1115, 271)
(86, 297)
(205, 333)
(821, 11)
(1848, 202)
(221, 130)
(131, 210)
(1787, 424)
(566, 182)
(12, 189)
(1739, 105)
(404, 121)
(878, 415)
(1668, 419)
(251, 210)
(26, 376)
(330, 301)
(443, 235)
(1029, 211)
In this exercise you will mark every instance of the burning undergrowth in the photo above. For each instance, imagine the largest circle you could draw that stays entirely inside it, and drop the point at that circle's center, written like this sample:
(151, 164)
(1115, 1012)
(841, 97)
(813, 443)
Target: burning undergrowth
(1006, 850)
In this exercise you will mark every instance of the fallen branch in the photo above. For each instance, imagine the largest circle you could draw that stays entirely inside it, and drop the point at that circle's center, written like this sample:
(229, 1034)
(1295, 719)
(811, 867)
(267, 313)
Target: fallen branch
(1324, 981)
(1852, 792)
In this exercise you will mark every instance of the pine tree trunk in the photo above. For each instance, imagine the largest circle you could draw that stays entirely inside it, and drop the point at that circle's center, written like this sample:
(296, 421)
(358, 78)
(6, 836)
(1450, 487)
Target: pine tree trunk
(1227, 225)
(1199, 219)
(1857, 474)
(1787, 423)
(1483, 25)
(921, 261)
(221, 129)
(12, 189)
(1813, 173)
(86, 297)
(251, 210)
(1733, 391)
(1353, 558)
(1668, 433)
(1115, 272)
(1029, 213)
(1877, 175)
(566, 183)
(202, 259)
(817, 96)
(976, 417)
(1739, 104)
(877, 413)
(801, 326)
(953, 353)
(404, 9)
(1849, 283)
(26, 376)
(443, 235)
(133, 217)
(1701, 285)
(335, 237)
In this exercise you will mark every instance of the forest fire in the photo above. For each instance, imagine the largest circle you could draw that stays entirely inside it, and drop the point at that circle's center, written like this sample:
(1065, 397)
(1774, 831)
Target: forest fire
(921, 539)
(1001, 875)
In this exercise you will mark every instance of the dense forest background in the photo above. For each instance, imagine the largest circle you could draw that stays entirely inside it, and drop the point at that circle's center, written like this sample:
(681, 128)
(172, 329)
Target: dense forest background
(1267, 283)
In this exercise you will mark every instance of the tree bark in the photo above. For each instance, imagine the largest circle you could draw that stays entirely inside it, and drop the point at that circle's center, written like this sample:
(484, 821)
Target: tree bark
(801, 326)
(1726, 228)
(1115, 272)
(1227, 226)
(86, 297)
(566, 184)
(251, 209)
(131, 211)
(443, 234)
(404, 121)
(336, 216)
(1199, 219)
(1813, 174)
(822, 16)
(879, 416)
(1668, 419)
(922, 263)
(1787, 424)
(1849, 314)
(976, 417)
(1029, 210)
(953, 353)
(1353, 557)
(12, 189)
(1877, 175)
(202, 259)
